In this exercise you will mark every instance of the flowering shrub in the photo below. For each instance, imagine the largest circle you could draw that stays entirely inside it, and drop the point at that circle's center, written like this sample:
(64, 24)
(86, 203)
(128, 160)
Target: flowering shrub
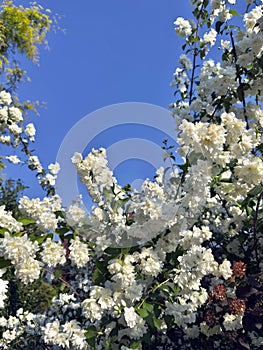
(178, 265)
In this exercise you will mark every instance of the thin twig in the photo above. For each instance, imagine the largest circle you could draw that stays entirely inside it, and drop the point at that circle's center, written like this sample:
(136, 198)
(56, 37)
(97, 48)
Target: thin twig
(64, 281)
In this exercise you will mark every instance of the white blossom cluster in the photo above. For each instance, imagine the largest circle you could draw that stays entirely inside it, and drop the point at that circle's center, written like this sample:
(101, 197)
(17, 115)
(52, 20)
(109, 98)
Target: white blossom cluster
(96, 175)
(42, 211)
(156, 258)
(12, 130)
(22, 254)
(8, 222)
(76, 213)
(53, 253)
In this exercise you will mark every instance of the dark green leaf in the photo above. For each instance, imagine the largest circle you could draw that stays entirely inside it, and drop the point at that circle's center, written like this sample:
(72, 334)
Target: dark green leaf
(90, 332)
(255, 191)
(62, 230)
(4, 263)
(58, 273)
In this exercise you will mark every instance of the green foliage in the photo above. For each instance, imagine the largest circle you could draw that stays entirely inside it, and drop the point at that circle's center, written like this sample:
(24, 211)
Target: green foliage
(9, 192)
(35, 296)
(21, 31)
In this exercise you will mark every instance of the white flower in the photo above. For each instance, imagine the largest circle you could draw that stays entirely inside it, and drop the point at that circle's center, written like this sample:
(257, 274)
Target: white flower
(150, 264)
(183, 28)
(76, 213)
(6, 139)
(130, 316)
(34, 163)
(42, 211)
(5, 97)
(17, 249)
(79, 252)
(185, 62)
(225, 270)
(15, 129)
(30, 131)
(91, 309)
(251, 18)
(53, 336)
(216, 4)
(192, 332)
(139, 329)
(28, 270)
(250, 171)
(210, 37)
(77, 158)
(47, 220)
(54, 168)
(15, 114)
(53, 253)
(232, 322)
(13, 159)
(8, 222)
(95, 173)
(48, 179)
(3, 115)
(225, 44)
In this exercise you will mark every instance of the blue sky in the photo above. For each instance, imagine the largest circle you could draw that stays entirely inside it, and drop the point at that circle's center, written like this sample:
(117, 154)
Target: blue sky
(108, 52)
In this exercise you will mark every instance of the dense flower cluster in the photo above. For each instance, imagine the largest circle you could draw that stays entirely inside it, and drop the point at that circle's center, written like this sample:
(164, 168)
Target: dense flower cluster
(42, 211)
(179, 264)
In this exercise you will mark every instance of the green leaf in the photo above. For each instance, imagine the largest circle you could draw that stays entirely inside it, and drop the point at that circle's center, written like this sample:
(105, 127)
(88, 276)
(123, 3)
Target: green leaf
(147, 338)
(98, 276)
(26, 221)
(4, 263)
(61, 214)
(255, 191)
(148, 307)
(101, 272)
(90, 332)
(62, 230)
(157, 323)
(234, 13)
(3, 231)
(149, 320)
(169, 320)
(113, 251)
(165, 288)
(92, 342)
(42, 238)
(135, 344)
(205, 3)
(143, 313)
(58, 273)
(125, 251)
